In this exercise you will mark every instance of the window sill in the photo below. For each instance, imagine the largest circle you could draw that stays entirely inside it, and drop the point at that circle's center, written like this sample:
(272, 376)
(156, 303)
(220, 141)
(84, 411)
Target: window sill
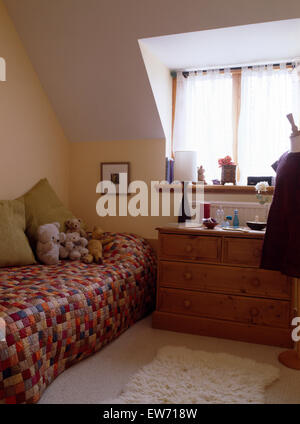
(234, 189)
(222, 189)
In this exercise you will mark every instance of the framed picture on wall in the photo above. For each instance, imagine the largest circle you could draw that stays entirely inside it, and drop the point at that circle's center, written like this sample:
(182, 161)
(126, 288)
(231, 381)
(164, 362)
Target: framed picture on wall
(110, 171)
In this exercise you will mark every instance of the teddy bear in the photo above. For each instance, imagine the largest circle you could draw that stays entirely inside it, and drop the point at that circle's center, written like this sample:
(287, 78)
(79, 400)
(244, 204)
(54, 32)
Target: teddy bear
(67, 244)
(48, 243)
(73, 246)
(75, 254)
(74, 226)
(95, 246)
(81, 247)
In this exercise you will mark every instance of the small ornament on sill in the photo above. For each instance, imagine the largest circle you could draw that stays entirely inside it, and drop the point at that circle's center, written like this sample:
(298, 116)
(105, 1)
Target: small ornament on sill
(201, 177)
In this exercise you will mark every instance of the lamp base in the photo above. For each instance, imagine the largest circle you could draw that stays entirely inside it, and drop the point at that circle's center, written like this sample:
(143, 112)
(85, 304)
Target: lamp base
(184, 212)
(290, 359)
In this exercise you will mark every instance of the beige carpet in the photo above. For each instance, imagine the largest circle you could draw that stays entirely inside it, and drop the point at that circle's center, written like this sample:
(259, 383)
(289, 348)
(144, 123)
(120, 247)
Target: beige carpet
(181, 375)
(104, 375)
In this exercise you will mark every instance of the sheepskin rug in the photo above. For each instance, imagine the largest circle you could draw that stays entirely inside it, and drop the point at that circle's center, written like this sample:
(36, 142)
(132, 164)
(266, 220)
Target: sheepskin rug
(181, 375)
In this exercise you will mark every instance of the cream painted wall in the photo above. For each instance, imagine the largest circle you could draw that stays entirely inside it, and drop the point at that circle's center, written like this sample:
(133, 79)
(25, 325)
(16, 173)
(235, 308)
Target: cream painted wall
(147, 163)
(32, 142)
(161, 83)
(146, 157)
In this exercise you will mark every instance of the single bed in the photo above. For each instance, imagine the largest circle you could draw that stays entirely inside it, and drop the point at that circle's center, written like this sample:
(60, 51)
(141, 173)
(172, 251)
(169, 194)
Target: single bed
(58, 315)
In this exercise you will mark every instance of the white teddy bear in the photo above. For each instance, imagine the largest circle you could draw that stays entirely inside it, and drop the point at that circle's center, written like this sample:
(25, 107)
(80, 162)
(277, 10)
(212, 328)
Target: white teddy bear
(48, 243)
(73, 247)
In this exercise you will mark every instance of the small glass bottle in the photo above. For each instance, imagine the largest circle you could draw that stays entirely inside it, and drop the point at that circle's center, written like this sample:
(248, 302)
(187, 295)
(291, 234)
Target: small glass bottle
(236, 222)
(222, 222)
(220, 216)
(227, 221)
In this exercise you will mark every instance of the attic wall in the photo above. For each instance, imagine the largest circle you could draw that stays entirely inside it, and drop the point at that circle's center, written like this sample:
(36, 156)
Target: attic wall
(147, 163)
(32, 142)
(87, 55)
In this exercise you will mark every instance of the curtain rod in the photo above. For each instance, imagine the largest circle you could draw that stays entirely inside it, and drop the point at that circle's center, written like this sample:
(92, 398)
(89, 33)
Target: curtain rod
(233, 68)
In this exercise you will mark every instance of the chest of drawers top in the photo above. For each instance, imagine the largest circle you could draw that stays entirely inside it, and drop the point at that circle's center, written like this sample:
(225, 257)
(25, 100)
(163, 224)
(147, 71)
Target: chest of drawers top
(174, 228)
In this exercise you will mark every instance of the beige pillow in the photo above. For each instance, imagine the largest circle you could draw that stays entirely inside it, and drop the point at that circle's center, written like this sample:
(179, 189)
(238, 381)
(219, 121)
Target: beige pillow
(42, 206)
(14, 246)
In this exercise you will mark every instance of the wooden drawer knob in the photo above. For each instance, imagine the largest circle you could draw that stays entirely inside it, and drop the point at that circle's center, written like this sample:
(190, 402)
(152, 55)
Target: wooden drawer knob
(257, 253)
(255, 282)
(187, 275)
(188, 248)
(254, 312)
(187, 304)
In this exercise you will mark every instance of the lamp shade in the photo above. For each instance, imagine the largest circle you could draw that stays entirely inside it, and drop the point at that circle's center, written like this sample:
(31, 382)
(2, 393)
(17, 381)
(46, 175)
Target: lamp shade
(185, 165)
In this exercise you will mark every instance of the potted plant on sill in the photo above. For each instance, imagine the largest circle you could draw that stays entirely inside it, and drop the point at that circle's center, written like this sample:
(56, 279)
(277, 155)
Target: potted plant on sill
(228, 170)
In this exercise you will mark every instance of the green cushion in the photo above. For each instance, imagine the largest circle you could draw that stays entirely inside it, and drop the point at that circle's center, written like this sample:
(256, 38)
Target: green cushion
(14, 245)
(42, 206)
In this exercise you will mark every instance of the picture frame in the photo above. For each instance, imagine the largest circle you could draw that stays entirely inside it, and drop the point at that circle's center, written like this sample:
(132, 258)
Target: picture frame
(110, 171)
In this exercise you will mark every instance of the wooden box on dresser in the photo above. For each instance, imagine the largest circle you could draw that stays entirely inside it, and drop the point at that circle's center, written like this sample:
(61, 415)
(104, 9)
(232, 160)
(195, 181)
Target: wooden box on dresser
(210, 283)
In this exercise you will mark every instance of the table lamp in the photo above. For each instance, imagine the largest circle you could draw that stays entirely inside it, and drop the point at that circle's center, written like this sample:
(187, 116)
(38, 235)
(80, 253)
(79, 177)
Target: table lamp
(185, 170)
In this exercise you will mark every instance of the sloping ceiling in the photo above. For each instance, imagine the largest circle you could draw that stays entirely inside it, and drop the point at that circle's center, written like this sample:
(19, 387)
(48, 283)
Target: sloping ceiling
(87, 56)
(263, 43)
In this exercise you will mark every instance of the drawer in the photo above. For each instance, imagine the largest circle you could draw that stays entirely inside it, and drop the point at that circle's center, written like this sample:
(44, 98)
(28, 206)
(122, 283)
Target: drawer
(226, 279)
(200, 248)
(275, 313)
(242, 251)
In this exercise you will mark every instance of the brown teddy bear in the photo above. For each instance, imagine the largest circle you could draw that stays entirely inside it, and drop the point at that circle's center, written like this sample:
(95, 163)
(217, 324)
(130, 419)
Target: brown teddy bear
(95, 246)
(74, 226)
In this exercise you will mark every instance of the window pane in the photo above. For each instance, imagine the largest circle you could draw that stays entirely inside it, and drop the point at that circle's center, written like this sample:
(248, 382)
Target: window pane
(267, 96)
(203, 119)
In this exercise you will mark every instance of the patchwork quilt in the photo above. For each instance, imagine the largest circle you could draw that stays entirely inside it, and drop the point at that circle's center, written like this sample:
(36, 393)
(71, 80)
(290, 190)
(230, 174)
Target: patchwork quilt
(58, 315)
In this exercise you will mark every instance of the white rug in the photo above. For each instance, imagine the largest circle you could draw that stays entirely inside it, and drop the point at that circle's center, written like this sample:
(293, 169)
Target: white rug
(181, 375)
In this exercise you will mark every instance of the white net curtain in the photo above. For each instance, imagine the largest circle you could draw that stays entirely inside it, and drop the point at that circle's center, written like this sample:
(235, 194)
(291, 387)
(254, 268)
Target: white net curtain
(204, 120)
(267, 96)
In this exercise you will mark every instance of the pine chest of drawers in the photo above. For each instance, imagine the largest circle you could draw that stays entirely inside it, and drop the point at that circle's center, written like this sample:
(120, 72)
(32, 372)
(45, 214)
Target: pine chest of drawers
(210, 283)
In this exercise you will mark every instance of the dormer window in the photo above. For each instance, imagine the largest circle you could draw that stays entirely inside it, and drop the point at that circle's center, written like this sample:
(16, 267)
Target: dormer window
(236, 112)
